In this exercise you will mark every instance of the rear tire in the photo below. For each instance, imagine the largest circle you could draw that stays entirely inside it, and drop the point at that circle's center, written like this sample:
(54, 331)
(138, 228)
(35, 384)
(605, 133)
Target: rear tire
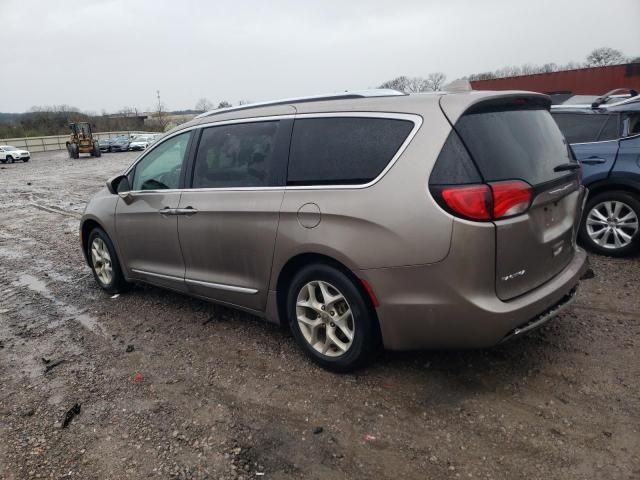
(104, 263)
(9, 159)
(610, 224)
(331, 319)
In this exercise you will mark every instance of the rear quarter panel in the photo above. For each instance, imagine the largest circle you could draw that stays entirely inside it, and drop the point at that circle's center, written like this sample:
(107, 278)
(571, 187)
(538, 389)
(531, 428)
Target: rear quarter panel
(391, 223)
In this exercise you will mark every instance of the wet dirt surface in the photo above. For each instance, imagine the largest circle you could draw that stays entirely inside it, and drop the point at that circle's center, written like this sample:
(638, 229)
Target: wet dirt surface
(172, 387)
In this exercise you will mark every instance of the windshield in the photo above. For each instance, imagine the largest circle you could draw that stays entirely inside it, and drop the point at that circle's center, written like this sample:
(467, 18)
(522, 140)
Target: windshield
(10, 149)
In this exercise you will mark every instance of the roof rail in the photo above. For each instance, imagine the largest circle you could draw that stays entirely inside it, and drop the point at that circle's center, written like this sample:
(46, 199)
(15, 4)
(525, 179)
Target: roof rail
(378, 92)
(613, 93)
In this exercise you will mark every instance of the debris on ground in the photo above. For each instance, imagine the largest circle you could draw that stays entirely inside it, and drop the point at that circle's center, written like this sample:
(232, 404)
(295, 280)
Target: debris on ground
(130, 348)
(53, 365)
(71, 413)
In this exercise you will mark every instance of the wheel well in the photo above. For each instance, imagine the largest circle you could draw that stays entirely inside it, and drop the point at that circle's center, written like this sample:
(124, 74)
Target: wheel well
(87, 227)
(296, 263)
(604, 187)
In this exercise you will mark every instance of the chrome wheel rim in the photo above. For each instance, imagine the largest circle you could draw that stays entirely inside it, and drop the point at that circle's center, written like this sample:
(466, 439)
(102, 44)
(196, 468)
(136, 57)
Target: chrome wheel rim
(612, 224)
(101, 261)
(325, 318)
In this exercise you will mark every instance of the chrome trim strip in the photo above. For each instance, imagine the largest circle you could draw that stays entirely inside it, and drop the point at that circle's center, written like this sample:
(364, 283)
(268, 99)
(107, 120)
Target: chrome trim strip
(221, 286)
(416, 119)
(188, 281)
(159, 275)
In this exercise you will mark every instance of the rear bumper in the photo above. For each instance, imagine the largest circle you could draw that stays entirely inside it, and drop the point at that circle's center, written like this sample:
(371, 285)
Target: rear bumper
(428, 307)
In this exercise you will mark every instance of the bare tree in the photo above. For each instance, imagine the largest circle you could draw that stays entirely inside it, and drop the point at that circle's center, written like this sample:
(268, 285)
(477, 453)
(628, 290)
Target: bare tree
(435, 81)
(605, 56)
(244, 102)
(406, 84)
(204, 105)
(224, 104)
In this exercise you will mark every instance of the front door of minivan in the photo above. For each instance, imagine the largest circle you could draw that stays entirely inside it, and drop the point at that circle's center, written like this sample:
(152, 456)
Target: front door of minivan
(229, 218)
(146, 223)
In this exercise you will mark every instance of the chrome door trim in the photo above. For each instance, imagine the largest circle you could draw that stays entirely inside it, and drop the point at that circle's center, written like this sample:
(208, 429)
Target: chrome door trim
(188, 281)
(159, 275)
(412, 117)
(222, 286)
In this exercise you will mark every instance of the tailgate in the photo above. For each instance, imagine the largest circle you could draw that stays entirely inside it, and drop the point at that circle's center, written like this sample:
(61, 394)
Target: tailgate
(517, 139)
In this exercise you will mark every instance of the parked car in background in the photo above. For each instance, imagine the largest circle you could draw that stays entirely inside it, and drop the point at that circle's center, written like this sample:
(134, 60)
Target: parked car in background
(9, 154)
(140, 142)
(303, 212)
(120, 143)
(606, 141)
(105, 144)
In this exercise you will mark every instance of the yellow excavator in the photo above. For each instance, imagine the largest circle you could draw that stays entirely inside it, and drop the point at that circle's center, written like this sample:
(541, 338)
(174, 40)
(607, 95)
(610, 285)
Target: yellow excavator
(81, 141)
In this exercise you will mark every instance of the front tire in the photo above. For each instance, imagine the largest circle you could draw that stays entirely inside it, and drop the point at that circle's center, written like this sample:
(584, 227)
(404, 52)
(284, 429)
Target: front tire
(331, 319)
(104, 263)
(610, 224)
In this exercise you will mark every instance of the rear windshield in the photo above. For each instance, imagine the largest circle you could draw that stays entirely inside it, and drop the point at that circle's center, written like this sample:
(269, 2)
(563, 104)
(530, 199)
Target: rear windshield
(515, 144)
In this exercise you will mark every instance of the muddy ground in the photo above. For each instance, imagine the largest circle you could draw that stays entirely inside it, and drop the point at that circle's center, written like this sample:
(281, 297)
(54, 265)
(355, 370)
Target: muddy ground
(172, 387)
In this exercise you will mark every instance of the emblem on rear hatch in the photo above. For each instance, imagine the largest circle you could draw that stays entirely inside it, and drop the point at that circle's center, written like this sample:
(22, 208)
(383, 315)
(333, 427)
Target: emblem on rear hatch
(511, 276)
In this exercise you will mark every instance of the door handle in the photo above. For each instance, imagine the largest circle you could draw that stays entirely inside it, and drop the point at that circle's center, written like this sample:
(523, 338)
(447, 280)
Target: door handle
(167, 211)
(593, 160)
(188, 211)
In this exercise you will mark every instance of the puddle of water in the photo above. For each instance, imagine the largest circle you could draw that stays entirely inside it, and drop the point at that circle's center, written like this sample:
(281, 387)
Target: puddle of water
(86, 320)
(33, 283)
(11, 253)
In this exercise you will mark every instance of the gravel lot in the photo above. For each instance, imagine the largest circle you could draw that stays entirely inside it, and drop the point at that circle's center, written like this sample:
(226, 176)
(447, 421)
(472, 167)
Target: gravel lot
(172, 387)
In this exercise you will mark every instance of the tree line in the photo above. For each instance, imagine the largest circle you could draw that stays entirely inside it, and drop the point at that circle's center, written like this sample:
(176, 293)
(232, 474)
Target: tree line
(435, 81)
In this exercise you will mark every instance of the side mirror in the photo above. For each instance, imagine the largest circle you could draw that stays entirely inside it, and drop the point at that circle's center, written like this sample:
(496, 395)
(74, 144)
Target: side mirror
(120, 186)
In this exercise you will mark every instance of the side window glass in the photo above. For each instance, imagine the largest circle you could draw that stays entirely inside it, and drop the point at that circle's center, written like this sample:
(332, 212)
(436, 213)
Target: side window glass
(611, 129)
(237, 155)
(632, 122)
(580, 127)
(343, 150)
(160, 169)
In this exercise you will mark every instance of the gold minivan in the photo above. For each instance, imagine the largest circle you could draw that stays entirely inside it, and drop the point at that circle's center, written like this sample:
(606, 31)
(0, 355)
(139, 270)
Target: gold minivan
(362, 221)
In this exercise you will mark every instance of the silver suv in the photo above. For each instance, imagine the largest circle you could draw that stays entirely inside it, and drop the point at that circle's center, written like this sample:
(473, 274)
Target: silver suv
(362, 221)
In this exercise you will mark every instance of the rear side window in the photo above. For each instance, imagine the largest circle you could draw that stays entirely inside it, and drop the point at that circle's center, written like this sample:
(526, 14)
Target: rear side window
(238, 155)
(515, 144)
(454, 165)
(580, 128)
(611, 129)
(343, 150)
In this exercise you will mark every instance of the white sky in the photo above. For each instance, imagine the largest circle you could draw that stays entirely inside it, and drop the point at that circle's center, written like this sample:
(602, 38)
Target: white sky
(107, 54)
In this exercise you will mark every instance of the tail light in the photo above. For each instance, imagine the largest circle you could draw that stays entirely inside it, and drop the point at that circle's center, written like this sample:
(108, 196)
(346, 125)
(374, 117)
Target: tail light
(487, 202)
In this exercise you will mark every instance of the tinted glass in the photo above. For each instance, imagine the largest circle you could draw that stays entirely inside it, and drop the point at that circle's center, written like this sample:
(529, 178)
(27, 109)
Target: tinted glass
(515, 144)
(160, 169)
(454, 165)
(343, 150)
(240, 155)
(580, 127)
(611, 129)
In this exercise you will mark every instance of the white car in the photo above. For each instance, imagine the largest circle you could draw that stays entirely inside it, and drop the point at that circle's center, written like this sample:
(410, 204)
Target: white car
(9, 154)
(140, 143)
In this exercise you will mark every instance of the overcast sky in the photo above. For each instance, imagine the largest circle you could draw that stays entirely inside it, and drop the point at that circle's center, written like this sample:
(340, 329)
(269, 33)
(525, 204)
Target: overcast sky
(107, 54)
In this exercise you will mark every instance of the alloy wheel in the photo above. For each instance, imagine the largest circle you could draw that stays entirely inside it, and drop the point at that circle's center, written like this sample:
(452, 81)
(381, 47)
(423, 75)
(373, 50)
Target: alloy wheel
(101, 261)
(325, 318)
(612, 224)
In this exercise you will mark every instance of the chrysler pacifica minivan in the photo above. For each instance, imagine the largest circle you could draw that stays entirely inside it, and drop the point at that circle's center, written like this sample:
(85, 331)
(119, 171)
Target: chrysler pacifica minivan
(361, 221)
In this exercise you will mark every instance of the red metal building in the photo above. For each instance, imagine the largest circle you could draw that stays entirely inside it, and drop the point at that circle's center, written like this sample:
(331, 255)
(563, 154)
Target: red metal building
(583, 81)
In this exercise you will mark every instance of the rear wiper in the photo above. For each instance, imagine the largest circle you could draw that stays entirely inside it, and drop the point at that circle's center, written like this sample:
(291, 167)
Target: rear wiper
(566, 166)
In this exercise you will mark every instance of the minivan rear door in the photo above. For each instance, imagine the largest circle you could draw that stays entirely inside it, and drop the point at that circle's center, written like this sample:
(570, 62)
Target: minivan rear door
(515, 138)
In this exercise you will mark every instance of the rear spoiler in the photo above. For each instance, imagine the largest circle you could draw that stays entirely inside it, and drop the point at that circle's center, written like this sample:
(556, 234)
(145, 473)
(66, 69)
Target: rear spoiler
(454, 106)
